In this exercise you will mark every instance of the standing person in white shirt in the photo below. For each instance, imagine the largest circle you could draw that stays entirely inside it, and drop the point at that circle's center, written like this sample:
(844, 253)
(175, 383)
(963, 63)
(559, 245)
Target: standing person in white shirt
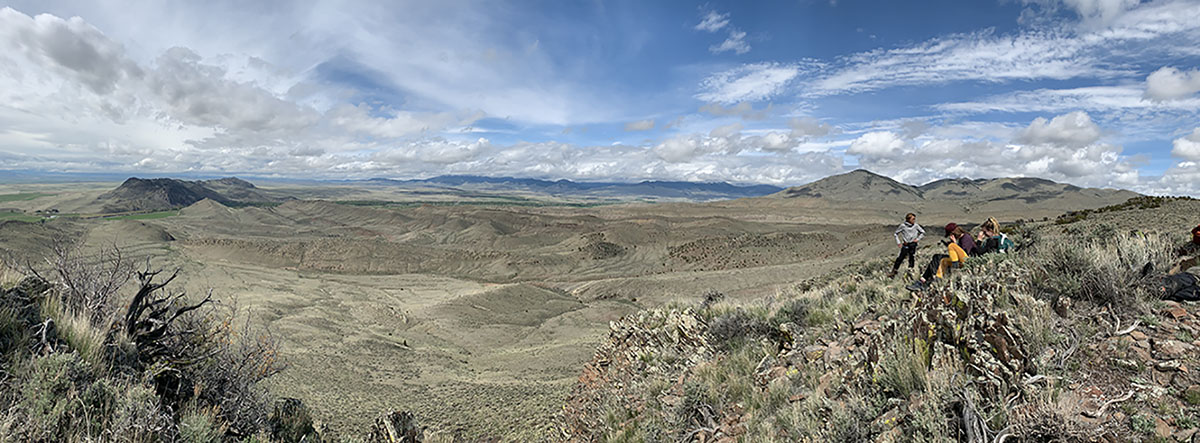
(907, 236)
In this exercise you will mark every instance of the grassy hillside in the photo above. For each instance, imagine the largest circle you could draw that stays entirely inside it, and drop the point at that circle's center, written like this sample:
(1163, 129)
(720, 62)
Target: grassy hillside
(1064, 340)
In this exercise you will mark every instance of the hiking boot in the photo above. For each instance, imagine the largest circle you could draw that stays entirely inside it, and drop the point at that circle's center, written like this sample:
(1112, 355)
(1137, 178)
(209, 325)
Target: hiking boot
(916, 286)
(892, 274)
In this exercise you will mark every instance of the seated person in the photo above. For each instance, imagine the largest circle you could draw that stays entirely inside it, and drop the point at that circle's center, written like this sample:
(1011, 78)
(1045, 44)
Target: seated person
(954, 257)
(990, 239)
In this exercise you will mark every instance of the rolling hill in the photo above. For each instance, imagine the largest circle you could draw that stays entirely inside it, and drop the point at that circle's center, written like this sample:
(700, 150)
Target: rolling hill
(156, 194)
(863, 185)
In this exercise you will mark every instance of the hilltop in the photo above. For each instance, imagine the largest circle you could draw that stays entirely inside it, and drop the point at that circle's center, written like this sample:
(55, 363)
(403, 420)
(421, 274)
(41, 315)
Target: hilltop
(864, 185)
(862, 196)
(156, 194)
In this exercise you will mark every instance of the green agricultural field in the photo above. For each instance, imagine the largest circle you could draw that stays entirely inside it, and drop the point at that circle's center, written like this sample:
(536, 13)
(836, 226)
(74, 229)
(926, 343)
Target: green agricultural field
(21, 196)
(5, 216)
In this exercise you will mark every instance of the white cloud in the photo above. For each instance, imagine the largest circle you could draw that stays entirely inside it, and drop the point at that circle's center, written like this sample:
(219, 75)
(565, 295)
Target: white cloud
(713, 22)
(199, 94)
(914, 128)
(1073, 130)
(1188, 147)
(1093, 98)
(874, 146)
(744, 110)
(1180, 179)
(70, 47)
(435, 151)
(806, 127)
(1066, 148)
(1169, 83)
(778, 142)
(736, 42)
(640, 125)
(1034, 54)
(1104, 11)
(390, 123)
(752, 82)
(726, 130)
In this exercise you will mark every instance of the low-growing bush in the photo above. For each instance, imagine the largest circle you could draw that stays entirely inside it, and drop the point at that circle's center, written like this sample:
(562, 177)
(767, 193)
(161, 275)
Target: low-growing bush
(901, 369)
(1114, 269)
(735, 327)
(173, 371)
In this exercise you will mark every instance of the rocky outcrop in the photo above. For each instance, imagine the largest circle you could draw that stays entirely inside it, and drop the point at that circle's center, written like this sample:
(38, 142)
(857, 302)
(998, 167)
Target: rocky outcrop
(658, 346)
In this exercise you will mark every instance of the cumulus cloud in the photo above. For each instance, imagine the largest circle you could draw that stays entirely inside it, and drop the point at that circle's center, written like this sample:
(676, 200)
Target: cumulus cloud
(434, 151)
(71, 47)
(1066, 148)
(712, 22)
(1169, 83)
(1179, 179)
(1074, 130)
(198, 93)
(877, 146)
(752, 82)
(736, 42)
(1188, 147)
(914, 128)
(640, 125)
(777, 142)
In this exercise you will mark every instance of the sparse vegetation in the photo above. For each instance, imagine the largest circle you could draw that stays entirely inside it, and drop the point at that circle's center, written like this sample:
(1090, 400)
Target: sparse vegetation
(991, 352)
(171, 370)
(1140, 202)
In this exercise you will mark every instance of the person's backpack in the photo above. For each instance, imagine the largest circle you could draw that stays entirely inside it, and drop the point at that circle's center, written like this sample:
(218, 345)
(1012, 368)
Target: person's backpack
(1183, 286)
(998, 243)
(1006, 244)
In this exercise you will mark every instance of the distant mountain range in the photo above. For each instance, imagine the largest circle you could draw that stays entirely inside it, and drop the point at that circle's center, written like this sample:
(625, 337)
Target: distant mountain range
(651, 190)
(863, 185)
(137, 194)
(156, 194)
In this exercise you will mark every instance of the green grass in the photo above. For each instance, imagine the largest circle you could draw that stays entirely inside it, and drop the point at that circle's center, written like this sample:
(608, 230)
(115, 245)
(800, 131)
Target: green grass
(21, 196)
(146, 216)
(17, 216)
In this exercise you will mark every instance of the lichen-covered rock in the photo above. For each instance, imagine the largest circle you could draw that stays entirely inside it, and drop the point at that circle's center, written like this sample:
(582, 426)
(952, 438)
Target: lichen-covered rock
(991, 347)
(396, 427)
(657, 346)
(292, 421)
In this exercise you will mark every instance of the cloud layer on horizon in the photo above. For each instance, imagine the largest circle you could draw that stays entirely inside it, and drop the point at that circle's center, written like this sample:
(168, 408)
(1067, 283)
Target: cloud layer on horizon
(1085, 88)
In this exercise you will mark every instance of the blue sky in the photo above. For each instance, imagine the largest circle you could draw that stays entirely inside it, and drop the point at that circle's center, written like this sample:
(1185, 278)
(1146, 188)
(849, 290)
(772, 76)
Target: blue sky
(1091, 92)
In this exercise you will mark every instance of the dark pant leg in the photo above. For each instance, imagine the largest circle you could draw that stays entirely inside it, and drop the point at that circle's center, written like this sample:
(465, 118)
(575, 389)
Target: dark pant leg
(908, 250)
(899, 259)
(932, 267)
